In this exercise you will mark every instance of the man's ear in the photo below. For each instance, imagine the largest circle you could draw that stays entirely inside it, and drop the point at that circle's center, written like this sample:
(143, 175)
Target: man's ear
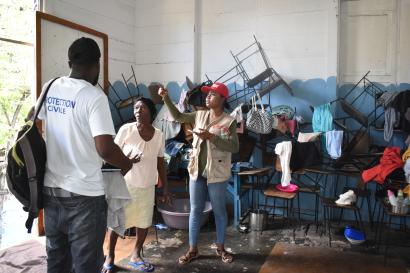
(70, 64)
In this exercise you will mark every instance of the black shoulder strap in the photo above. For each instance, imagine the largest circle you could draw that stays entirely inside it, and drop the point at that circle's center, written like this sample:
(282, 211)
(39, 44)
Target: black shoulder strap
(42, 98)
(33, 208)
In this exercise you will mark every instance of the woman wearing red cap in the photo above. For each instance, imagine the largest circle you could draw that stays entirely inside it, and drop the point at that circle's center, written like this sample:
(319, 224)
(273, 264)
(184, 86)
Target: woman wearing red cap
(209, 168)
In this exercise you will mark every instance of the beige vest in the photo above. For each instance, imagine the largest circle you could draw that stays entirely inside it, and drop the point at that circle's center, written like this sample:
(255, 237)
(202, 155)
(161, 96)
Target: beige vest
(218, 165)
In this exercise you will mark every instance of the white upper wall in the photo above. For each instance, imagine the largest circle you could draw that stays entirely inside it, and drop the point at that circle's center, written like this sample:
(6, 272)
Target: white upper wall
(164, 40)
(403, 53)
(114, 18)
(167, 40)
(299, 37)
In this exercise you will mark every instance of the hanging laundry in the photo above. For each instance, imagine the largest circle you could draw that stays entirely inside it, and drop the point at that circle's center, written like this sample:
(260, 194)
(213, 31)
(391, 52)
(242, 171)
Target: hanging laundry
(390, 116)
(182, 104)
(391, 120)
(308, 137)
(163, 121)
(238, 115)
(322, 120)
(401, 104)
(334, 140)
(390, 161)
(284, 151)
(304, 155)
(291, 124)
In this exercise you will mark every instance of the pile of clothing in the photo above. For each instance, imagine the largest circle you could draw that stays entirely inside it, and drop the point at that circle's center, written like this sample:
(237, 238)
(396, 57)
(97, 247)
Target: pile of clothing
(406, 167)
(176, 146)
(392, 165)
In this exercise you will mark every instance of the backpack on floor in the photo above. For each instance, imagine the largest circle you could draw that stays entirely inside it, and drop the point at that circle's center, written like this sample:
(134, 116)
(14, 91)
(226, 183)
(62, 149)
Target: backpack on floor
(26, 163)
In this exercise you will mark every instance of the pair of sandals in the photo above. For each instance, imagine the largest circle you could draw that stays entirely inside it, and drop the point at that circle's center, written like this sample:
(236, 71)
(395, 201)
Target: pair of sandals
(189, 256)
(142, 266)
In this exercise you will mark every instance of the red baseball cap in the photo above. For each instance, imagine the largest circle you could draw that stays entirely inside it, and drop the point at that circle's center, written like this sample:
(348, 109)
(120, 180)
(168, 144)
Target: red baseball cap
(217, 87)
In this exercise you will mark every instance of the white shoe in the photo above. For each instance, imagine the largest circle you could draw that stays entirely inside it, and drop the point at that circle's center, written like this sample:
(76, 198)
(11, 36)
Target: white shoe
(346, 198)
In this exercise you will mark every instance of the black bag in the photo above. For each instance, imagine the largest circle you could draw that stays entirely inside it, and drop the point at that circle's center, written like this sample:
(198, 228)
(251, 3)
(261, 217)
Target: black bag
(26, 163)
(196, 97)
(305, 155)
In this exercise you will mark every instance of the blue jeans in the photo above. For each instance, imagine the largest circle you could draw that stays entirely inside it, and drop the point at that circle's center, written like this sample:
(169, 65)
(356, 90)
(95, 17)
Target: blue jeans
(198, 191)
(75, 229)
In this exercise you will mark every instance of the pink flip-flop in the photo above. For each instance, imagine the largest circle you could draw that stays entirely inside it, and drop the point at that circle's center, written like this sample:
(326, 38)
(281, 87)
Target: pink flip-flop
(289, 188)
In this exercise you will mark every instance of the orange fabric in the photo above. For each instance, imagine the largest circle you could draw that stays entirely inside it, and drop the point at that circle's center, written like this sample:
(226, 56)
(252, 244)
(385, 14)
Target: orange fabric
(406, 190)
(390, 161)
(406, 154)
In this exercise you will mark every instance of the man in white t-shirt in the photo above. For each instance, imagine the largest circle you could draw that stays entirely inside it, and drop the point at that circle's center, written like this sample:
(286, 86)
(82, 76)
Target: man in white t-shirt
(79, 136)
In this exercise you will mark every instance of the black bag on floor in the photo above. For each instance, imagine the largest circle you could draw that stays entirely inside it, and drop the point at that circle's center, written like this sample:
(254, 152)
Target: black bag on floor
(26, 163)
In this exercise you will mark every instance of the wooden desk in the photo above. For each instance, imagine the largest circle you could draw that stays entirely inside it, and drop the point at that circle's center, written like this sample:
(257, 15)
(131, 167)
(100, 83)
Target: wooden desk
(235, 188)
(257, 172)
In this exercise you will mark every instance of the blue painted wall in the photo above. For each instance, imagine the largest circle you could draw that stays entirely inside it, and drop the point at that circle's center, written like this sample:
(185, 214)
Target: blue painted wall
(307, 93)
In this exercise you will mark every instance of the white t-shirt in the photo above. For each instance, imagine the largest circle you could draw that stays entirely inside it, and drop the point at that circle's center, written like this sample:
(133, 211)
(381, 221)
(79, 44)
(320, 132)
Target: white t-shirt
(144, 173)
(75, 112)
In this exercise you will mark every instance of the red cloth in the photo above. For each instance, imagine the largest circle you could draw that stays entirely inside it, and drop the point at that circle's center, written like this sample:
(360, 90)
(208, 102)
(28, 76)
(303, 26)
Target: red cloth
(390, 161)
(292, 126)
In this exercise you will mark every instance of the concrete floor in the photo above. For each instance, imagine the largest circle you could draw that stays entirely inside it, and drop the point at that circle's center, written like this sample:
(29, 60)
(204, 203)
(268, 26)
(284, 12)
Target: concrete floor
(273, 251)
(250, 252)
(293, 259)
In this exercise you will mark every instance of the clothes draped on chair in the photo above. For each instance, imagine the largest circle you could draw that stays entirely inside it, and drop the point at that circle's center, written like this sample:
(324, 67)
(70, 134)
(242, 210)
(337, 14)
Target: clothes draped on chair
(284, 151)
(390, 161)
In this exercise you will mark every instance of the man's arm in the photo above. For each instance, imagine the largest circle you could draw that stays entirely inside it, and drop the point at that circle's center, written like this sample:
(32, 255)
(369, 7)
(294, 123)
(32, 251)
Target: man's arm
(111, 153)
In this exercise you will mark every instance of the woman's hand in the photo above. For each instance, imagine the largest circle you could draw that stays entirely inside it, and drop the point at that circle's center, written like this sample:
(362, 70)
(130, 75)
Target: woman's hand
(204, 134)
(162, 92)
(133, 160)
